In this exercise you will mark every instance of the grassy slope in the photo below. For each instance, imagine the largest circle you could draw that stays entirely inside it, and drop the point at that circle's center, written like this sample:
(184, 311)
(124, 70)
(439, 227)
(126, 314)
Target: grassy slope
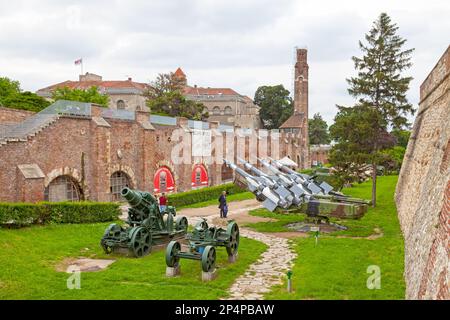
(28, 258)
(337, 267)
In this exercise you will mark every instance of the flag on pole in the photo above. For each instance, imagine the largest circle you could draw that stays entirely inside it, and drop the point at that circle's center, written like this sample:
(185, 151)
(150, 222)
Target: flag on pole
(79, 61)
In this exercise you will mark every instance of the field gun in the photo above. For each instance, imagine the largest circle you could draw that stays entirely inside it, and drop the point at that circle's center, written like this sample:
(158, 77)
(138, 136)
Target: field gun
(202, 245)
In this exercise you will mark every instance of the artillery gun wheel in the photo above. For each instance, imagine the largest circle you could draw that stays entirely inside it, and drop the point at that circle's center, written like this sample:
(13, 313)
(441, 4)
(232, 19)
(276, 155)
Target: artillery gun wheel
(172, 260)
(181, 223)
(113, 231)
(141, 242)
(209, 259)
(233, 234)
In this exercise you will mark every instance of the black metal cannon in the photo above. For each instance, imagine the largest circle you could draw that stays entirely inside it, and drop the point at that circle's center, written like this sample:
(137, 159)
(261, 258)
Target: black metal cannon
(202, 245)
(147, 226)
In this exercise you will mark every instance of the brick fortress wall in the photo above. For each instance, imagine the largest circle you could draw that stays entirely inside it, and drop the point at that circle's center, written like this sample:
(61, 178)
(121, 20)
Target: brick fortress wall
(90, 150)
(423, 190)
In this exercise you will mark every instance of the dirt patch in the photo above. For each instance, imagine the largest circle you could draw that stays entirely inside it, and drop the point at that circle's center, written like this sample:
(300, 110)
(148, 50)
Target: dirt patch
(83, 264)
(378, 233)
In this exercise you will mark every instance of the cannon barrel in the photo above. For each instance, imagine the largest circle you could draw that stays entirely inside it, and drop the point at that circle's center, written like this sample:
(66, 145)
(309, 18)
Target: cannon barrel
(137, 198)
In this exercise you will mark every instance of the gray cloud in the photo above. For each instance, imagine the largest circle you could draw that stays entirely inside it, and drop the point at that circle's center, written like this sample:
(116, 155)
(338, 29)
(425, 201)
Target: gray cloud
(238, 44)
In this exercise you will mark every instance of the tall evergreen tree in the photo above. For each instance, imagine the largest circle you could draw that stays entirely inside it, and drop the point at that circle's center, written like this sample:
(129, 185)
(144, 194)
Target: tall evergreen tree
(380, 88)
(318, 130)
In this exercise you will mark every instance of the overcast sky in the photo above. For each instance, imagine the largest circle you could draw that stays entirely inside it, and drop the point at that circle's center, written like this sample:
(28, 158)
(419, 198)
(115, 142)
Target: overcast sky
(239, 44)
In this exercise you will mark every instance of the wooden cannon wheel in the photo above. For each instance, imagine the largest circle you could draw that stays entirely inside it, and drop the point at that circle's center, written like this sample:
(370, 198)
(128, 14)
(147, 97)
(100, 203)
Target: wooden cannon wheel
(209, 259)
(141, 242)
(113, 231)
(172, 259)
(181, 223)
(233, 236)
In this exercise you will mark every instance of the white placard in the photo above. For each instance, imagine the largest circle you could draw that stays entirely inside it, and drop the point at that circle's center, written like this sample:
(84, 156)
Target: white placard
(201, 143)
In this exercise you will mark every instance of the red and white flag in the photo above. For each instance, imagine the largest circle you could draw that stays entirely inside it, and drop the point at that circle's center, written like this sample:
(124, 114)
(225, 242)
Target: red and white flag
(79, 61)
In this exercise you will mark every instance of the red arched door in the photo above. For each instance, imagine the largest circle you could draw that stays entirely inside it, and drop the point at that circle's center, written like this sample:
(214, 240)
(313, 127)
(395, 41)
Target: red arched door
(199, 176)
(163, 180)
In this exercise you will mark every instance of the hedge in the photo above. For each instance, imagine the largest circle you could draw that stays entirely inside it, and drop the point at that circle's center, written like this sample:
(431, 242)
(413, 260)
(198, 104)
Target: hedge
(24, 214)
(204, 194)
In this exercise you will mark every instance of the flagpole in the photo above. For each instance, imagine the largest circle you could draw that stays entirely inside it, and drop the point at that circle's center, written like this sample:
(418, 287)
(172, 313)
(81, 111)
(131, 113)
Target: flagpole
(81, 65)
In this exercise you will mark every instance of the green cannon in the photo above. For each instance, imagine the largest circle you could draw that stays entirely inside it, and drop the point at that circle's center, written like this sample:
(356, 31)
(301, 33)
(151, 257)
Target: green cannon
(202, 245)
(147, 226)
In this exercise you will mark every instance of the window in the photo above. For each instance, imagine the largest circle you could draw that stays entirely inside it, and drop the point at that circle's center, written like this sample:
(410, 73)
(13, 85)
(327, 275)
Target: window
(118, 181)
(216, 111)
(120, 105)
(62, 188)
(228, 110)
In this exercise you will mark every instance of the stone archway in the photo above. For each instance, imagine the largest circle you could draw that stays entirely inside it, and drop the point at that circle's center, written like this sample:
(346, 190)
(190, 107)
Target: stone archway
(74, 174)
(167, 164)
(123, 168)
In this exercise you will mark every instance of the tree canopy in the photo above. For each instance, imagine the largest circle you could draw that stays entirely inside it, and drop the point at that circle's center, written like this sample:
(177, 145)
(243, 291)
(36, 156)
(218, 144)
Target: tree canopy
(165, 97)
(91, 95)
(361, 132)
(275, 105)
(318, 130)
(12, 96)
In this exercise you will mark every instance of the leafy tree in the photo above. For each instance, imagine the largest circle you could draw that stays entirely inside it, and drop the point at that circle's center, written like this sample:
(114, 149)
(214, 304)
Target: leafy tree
(165, 96)
(381, 90)
(12, 96)
(276, 105)
(318, 130)
(402, 137)
(356, 131)
(91, 95)
(174, 104)
(164, 83)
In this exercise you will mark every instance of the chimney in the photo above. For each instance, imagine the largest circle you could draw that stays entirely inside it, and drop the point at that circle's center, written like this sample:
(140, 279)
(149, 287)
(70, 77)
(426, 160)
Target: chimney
(130, 79)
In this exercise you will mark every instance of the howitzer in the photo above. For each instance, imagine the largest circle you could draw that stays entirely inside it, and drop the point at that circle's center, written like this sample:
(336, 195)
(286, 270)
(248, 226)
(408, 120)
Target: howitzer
(146, 226)
(202, 245)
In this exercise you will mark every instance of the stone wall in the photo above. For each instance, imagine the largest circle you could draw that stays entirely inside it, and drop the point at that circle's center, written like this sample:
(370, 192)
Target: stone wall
(8, 115)
(423, 190)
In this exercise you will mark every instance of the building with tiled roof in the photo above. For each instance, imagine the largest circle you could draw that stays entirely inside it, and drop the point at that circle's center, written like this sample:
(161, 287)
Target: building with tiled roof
(224, 104)
(123, 94)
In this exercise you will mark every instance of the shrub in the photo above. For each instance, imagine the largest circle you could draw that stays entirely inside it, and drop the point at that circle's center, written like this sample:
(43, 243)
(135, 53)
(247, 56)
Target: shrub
(23, 214)
(204, 194)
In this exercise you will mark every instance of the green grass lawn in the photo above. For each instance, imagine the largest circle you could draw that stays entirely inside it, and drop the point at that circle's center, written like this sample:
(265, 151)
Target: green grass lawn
(28, 258)
(231, 198)
(337, 267)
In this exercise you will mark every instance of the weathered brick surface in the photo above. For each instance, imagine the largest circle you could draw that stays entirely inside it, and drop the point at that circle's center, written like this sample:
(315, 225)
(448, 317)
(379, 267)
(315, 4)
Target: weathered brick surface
(91, 150)
(8, 115)
(423, 190)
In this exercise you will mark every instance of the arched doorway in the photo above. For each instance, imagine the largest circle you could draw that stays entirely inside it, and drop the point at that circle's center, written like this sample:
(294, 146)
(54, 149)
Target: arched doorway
(199, 176)
(118, 181)
(63, 188)
(163, 180)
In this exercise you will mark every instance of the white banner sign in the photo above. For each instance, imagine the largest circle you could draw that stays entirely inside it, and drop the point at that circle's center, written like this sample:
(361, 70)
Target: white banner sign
(201, 143)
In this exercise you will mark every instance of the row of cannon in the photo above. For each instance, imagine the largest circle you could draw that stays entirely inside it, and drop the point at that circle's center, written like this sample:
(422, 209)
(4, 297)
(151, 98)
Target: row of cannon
(283, 189)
